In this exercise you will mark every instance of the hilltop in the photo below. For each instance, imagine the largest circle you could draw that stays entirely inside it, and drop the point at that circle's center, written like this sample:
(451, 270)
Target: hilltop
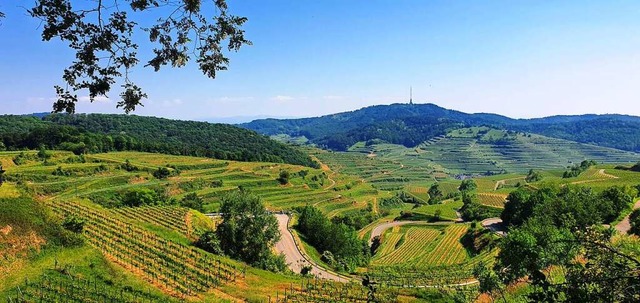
(411, 125)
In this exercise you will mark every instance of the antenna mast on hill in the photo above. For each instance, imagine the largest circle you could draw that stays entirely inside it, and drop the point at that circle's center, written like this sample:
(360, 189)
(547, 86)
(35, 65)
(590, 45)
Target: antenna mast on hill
(410, 95)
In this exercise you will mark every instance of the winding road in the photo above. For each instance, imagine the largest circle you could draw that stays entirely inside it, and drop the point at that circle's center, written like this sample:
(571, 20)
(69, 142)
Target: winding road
(295, 258)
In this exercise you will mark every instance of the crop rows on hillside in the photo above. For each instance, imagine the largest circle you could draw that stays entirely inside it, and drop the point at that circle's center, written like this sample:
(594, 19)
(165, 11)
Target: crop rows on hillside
(493, 200)
(517, 153)
(58, 287)
(424, 246)
(170, 217)
(182, 271)
(314, 290)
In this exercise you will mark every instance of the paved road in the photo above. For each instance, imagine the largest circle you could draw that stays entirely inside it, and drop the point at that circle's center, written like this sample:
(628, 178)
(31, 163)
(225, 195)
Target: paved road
(624, 226)
(294, 257)
(494, 225)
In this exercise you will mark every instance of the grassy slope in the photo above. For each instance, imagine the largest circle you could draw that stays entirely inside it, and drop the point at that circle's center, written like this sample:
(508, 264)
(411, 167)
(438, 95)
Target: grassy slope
(260, 177)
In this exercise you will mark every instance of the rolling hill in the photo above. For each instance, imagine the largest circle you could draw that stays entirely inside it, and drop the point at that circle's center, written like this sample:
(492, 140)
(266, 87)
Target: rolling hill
(411, 125)
(83, 133)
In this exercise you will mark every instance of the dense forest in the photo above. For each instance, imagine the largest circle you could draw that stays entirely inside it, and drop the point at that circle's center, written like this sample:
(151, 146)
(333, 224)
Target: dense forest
(413, 124)
(94, 133)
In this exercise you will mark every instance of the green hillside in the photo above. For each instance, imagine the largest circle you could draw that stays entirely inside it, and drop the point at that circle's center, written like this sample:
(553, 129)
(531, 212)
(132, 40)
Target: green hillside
(94, 133)
(411, 124)
(471, 151)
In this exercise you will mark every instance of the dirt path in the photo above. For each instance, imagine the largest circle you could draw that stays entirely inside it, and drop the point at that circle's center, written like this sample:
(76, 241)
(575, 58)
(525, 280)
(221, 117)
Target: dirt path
(624, 226)
(293, 255)
(600, 173)
(326, 168)
(503, 182)
(375, 206)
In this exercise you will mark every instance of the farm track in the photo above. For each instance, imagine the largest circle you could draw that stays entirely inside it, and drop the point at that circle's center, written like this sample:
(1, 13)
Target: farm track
(504, 181)
(326, 168)
(600, 173)
(625, 225)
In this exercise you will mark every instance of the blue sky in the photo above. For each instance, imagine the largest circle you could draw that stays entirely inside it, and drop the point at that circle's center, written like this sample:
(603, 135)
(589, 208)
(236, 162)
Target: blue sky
(309, 58)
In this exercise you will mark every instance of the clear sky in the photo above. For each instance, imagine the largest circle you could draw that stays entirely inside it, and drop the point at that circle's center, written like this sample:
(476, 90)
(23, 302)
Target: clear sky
(516, 58)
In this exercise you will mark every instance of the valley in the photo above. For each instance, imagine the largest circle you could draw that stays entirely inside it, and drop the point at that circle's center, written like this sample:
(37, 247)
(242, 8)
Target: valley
(418, 212)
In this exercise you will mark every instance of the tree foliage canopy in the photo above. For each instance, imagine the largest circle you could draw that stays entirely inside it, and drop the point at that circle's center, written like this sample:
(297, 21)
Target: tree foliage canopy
(103, 36)
(248, 231)
(338, 242)
(96, 133)
(559, 232)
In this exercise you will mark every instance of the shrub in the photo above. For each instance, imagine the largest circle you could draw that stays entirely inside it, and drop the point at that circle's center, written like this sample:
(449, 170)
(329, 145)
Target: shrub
(283, 178)
(209, 241)
(73, 223)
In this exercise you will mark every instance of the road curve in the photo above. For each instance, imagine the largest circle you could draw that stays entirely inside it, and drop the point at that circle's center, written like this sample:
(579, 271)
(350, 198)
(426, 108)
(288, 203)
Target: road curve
(494, 225)
(294, 257)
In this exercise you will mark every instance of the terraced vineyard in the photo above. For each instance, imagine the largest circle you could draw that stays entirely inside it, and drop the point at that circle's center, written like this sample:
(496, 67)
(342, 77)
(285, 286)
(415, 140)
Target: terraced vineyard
(325, 291)
(387, 169)
(493, 200)
(138, 239)
(170, 217)
(424, 246)
(183, 271)
(471, 151)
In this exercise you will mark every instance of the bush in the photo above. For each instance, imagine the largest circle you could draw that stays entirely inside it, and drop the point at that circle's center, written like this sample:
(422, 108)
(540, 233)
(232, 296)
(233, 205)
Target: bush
(162, 173)
(73, 224)
(191, 200)
(217, 183)
(61, 172)
(209, 241)
(634, 220)
(306, 270)
(128, 166)
(139, 197)
(283, 178)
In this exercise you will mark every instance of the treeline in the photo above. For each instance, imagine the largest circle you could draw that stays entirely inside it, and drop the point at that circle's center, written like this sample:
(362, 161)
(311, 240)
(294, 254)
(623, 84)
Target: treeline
(577, 169)
(338, 242)
(96, 133)
(585, 206)
(411, 125)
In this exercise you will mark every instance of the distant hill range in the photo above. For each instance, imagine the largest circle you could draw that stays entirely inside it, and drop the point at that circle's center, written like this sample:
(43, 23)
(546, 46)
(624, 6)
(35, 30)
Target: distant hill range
(102, 133)
(412, 124)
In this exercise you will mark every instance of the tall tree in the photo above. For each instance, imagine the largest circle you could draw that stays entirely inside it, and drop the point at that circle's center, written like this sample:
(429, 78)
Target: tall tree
(103, 36)
(435, 194)
(468, 185)
(248, 231)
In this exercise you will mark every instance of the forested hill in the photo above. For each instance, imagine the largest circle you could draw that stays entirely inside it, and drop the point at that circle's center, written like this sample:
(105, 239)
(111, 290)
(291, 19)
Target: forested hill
(411, 125)
(101, 133)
